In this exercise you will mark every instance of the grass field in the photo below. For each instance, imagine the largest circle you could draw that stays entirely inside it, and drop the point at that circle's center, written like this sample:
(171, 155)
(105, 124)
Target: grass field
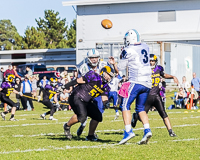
(34, 138)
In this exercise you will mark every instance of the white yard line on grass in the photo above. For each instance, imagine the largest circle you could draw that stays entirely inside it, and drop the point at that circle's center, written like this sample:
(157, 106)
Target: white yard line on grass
(50, 148)
(100, 131)
(31, 124)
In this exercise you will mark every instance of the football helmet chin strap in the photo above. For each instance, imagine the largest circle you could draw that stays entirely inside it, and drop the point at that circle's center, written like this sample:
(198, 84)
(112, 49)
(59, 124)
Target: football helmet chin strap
(104, 80)
(93, 64)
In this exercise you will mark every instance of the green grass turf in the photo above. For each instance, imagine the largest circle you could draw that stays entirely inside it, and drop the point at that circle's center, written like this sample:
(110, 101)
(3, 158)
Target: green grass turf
(34, 138)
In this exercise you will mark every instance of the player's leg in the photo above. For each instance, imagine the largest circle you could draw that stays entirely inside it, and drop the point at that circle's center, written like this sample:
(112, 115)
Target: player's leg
(115, 102)
(161, 110)
(99, 103)
(96, 116)
(148, 105)
(80, 110)
(126, 113)
(140, 109)
(10, 103)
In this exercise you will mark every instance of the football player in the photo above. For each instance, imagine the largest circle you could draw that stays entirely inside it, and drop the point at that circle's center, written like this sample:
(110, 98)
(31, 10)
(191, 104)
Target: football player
(113, 94)
(135, 56)
(90, 86)
(154, 98)
(93, 64)
(49, 92)
(7, 88)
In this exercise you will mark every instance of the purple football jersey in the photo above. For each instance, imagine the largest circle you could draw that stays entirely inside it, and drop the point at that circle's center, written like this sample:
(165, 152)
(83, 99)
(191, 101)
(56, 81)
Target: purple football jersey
(93, 87)
(157, 73)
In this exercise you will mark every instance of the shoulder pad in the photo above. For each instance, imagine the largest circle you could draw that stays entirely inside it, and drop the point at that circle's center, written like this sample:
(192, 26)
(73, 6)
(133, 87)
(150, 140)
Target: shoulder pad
(83, 69)
(160, 68)
(102, 64)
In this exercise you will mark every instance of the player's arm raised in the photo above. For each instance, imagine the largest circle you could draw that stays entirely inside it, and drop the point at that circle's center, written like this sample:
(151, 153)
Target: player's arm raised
(168, 76)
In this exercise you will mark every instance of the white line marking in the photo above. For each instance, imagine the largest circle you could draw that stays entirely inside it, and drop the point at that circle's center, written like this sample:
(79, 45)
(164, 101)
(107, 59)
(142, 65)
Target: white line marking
(84, 147)
(99, 131)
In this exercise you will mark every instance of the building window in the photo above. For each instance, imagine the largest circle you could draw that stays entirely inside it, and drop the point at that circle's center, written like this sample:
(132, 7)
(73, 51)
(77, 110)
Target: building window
(166, 16)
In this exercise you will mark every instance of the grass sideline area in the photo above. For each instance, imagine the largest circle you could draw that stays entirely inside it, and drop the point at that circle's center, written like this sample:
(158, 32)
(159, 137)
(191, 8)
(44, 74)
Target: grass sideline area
(34, 138)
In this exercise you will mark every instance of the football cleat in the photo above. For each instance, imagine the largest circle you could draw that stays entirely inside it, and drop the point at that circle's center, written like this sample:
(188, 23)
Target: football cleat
(80, 130)
(53, 119)
(116, 115)
(172, 134)
(3, 116)
(146, 137)
(67, 131)
(42, 116)
(91, 138)
(127, 136)
(13, 119)
(134, 120)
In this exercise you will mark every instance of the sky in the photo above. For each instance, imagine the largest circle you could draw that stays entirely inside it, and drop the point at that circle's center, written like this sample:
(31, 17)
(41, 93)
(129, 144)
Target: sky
(23, 13)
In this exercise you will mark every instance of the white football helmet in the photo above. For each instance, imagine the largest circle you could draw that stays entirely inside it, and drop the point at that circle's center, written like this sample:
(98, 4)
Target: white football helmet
(93, 53)
(131, 37)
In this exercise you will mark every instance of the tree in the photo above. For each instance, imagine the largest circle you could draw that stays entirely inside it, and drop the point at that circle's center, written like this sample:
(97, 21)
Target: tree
(9, 37)
(71, 35)
(54, 29)
(34, 39)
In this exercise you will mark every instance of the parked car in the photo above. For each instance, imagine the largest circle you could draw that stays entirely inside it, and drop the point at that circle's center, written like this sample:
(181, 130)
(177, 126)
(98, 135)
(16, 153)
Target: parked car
(70, 69)
(37, 68)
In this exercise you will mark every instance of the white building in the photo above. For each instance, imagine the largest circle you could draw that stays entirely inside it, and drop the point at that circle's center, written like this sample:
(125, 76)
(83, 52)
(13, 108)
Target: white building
(158, 21)
(49, 57)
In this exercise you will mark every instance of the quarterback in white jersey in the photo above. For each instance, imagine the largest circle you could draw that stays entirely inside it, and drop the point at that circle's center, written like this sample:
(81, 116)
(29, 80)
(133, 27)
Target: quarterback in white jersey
(93, 63)
(135, 56)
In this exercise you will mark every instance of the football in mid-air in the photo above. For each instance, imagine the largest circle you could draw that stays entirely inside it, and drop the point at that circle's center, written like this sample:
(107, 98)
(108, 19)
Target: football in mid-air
(106, 23)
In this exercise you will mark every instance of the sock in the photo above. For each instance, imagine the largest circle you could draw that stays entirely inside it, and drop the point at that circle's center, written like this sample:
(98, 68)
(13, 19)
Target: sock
(146, 126)
(84, 124)
(12, 116)
(116, 110)
(128, 127)
(50, 117)
(6, 112)
(170, 131)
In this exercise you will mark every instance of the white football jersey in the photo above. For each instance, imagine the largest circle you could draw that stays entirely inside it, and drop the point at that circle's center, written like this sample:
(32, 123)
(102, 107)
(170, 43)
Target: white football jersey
(114, 84)
(84, 68)
(136, 57)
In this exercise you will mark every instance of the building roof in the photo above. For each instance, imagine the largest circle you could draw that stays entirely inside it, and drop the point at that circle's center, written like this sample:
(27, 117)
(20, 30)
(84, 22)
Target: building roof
(98, 2)
(36, 51)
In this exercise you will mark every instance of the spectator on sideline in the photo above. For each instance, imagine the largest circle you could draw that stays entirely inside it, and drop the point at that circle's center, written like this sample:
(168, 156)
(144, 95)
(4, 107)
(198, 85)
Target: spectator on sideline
(75, 75)
(29, 72)
(1, 75)
(65, 75)
(196, 83)
(65, 81)
(42, 84)
(180, 98)
(185, 85)
(26, 89)
(64, 99)
(34, 80)
(9, 71)
(17, 88)
(15, 71)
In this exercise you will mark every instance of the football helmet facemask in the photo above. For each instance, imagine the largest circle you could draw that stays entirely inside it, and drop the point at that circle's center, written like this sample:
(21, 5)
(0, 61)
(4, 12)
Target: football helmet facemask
(109, 71)
(153, 57)
(93, 53)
